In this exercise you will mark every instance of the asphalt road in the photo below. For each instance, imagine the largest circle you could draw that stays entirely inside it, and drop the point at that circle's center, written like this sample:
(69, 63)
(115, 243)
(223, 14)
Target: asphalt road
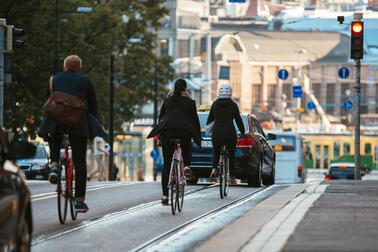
(121, 216)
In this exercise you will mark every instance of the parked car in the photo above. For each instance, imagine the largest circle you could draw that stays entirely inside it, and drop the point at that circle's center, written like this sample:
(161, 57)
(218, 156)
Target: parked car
(254, 156)
(16, 224)
(37, 165)
(343, 170)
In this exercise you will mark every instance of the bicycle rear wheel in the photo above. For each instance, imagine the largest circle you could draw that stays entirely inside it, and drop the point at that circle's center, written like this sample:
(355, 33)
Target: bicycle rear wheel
(173, 188)
(226, 175)
(181, 190)
(62, 197)
(71, 191)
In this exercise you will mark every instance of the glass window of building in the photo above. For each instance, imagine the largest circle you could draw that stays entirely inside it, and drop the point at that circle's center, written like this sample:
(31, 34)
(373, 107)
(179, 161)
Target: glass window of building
(317, 156)
(256, 94)
(272, 95)
(163, 47)
(367, 148)
(325, 161)
(346, 148)
(336, 149)
(330, 98)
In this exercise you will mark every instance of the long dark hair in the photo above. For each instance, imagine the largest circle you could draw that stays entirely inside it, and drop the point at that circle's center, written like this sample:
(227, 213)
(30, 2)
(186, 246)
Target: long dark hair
(180, 85)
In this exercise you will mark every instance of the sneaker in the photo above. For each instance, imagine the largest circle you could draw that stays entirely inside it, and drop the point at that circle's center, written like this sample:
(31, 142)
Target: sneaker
(54, 173)
(214, 174)
(81, 207)
(233, 180)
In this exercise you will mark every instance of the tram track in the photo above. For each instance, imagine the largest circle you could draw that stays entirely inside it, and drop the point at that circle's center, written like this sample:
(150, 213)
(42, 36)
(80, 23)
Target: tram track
(158, 239)
(90, 222)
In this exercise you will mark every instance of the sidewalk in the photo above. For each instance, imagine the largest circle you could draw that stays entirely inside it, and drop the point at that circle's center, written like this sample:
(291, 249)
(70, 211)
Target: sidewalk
(332, 216)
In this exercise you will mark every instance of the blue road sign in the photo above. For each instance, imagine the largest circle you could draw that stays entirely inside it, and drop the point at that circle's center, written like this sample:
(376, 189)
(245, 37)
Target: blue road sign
(343, 73)
(237, 1)
(311, 105)
(155, 154)
(283, 74)
(297, 91)
(348, 104)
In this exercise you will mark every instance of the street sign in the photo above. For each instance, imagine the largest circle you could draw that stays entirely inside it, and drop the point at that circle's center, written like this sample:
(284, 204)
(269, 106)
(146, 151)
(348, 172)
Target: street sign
(299, 110)
(343, 73)
(348, 104)
(283, 74)
(297, 91)
(311, 105)
(237, 1)
(155, 154)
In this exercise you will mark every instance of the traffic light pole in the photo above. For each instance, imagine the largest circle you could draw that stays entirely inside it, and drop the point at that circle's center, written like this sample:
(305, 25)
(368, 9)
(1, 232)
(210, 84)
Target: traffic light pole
(357, 100)
(111, 117)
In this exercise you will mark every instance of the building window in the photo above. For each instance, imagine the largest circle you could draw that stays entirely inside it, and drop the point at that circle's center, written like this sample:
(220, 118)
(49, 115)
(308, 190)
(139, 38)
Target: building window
(164, 47)
(256, 94)
(330, 98)
(325, 161)
(346, 148)
(367, 148)
(336, 149)
(317, 156)
(364, 99)
(316, 90)
(287, 91)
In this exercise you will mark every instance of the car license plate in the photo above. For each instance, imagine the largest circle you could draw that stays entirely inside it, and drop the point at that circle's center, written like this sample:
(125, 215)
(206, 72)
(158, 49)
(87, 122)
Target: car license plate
(207, 144)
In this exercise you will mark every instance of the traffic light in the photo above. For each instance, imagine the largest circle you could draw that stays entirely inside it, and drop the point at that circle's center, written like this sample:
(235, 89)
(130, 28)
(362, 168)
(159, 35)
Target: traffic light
(357, 40)
(12, 34)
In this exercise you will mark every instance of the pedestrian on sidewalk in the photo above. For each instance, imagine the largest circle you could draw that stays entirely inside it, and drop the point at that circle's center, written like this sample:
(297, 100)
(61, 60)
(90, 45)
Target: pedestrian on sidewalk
(99, 154)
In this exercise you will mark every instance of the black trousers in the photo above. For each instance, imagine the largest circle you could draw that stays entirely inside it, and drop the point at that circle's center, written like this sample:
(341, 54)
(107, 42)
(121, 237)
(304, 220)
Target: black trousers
(79, 148)
(231, 151)
(186, 149)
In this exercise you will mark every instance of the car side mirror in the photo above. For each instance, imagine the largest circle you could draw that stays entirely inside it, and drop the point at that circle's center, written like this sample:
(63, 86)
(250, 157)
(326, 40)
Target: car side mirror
(21, 150)
(272, 136)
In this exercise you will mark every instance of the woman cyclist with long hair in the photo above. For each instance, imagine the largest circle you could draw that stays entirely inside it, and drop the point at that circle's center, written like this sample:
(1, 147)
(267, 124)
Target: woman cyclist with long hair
(178, 119)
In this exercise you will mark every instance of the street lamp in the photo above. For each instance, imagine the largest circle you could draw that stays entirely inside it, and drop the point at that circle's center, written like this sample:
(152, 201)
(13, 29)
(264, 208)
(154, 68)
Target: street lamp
(78, 10)
(111, 101)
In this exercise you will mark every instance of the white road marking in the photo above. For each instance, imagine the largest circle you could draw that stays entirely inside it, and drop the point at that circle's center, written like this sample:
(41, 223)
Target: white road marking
(274, 235)
(49, 195)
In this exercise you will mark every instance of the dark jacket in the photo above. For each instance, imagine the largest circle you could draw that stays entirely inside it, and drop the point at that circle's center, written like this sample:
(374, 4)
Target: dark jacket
(79, 85)
(223, 112)
(182, 116)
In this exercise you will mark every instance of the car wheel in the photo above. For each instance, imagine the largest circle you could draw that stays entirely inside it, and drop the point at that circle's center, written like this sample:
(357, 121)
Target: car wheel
(25, 237)
(255, 181)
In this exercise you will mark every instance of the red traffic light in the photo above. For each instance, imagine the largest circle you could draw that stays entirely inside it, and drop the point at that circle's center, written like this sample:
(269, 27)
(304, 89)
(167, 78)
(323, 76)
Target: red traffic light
(357, 27)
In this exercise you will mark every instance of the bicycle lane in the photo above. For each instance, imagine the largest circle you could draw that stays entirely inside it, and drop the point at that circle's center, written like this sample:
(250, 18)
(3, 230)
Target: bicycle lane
(128, 229)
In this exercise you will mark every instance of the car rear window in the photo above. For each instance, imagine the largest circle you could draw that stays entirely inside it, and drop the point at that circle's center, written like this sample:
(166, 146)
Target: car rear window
(203, 118)
(286, 142)
(334, 171)
(40, 153)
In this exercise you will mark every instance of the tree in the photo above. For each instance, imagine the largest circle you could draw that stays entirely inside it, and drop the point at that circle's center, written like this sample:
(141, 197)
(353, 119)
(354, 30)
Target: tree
(88, 35)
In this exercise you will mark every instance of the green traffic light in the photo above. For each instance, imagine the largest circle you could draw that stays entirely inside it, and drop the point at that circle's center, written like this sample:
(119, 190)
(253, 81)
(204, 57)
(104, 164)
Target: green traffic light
(19, 139)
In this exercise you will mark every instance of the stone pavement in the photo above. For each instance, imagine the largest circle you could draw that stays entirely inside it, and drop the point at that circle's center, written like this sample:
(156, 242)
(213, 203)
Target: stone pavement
(337, 215)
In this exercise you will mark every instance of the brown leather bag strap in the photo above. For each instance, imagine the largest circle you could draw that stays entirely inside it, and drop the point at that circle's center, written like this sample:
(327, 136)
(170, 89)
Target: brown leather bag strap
(51, 83)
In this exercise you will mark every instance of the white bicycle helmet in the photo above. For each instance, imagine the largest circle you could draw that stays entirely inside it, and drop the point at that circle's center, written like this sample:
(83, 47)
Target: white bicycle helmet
(224, 91)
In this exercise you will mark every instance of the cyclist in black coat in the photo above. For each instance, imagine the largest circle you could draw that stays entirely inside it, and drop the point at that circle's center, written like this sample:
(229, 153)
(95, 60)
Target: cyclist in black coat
(223, 112)
(178, 119)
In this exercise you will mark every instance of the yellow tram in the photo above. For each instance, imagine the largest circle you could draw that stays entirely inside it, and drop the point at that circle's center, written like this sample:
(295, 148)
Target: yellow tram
(321, 148)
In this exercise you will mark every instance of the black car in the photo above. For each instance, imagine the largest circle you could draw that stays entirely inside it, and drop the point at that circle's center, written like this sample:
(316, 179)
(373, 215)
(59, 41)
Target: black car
(341, 171)
(254, 156)
(15, 205)
(37, 165)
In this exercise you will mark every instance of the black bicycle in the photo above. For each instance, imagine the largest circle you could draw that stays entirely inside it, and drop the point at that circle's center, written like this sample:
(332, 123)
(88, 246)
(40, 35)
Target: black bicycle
(65, 189)
(224, 172)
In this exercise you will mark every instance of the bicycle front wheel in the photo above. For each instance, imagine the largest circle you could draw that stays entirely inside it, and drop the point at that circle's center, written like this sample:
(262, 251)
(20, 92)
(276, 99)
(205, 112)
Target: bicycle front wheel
(181, 192)
(62, 198)
(173, 188)
(221, 179)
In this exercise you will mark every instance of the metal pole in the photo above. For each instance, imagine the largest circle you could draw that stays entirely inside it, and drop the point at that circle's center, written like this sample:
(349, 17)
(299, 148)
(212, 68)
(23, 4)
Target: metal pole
(208, 69)
(111, 110)
(357, 100)
(1, 73)
(155, 109)
(56, 37)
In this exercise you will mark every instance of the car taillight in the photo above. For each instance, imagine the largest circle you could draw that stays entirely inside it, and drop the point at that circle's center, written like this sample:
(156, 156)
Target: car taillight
(245, 142)
(299, 171)
(328, 177)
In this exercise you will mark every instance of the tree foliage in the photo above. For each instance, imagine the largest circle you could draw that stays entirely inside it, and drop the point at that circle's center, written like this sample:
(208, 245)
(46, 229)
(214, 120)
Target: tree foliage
(92, 36)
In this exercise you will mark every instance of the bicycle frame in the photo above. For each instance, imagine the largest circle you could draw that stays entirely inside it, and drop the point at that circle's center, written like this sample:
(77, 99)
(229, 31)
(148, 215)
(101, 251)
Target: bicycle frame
(176, 182)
